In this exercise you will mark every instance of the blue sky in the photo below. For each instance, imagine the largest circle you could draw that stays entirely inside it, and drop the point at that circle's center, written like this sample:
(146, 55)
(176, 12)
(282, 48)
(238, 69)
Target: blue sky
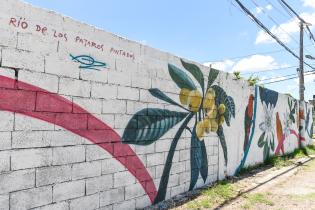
(206, 31)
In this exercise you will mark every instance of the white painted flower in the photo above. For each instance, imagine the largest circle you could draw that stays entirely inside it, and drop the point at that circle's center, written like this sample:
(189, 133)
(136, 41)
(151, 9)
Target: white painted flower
(287, 122)
(268, 125)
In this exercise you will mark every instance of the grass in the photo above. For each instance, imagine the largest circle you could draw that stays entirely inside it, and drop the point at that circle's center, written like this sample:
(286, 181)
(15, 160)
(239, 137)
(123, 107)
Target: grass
(282, 161)
(224, 190)
(309, 196)
(219, 193)
(257, 198)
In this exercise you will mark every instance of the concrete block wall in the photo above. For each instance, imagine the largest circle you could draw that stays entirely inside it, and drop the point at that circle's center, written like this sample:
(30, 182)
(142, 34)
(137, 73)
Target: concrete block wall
(67, 94)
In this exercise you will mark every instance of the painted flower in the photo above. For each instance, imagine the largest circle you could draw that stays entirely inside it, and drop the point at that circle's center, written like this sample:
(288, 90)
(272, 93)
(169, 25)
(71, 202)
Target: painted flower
(287, 122)
(268, 125)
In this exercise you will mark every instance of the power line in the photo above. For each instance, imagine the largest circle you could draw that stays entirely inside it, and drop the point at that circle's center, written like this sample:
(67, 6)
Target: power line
(275, 69)
(260, 24)
(301, 19)
(289, 78)
(283, 14)
(274, 21)
(258, 53)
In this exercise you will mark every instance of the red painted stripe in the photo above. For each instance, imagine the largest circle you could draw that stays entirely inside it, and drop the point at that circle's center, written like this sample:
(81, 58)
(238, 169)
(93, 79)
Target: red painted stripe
(280, 145)
(32, 101)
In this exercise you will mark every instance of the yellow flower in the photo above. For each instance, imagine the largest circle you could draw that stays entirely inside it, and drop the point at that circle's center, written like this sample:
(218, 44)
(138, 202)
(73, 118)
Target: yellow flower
(207, 125)
(183, 96)
(194, 100)
(209, 100)
(213, 112)
(221, 120)
(200, 130)
(214, 125)
(221, 109)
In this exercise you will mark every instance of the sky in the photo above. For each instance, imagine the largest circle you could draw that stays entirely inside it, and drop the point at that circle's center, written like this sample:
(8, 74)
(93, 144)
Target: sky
(212, 32)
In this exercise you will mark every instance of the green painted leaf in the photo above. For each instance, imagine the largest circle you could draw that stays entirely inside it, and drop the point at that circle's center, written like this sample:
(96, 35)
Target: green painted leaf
(261, 140)
(272, 143)
(223, 143)
(266, 151)
(160, 95)
(227, 117)
(148, 125)
(229, 103)
(195, 71)
(220, 94)
(204, 162)
(195, 159)
(181, 79)
(213, 74)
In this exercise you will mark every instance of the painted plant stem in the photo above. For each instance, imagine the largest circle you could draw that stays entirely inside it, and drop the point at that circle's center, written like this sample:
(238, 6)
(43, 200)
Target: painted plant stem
(166, 172)
(251, 135)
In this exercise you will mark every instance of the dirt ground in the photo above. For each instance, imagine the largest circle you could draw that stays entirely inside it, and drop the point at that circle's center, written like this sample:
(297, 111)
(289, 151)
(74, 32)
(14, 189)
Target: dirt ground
(286, 188)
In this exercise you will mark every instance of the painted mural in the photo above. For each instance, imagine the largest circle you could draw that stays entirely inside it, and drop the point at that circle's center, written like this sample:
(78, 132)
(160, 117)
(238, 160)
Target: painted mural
(208, 106)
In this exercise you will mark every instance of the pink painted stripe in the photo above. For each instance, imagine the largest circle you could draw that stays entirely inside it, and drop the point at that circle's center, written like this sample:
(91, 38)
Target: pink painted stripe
(32, 101)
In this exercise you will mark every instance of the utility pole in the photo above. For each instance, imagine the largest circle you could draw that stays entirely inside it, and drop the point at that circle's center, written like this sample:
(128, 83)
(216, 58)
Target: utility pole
(301, 69)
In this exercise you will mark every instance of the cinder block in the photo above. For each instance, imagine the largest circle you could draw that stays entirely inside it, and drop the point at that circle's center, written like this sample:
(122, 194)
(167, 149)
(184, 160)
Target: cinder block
(62, 138)
(29, 139)
(4, 202)
(94, 76)
(131, 204)
(26, 41)
(123, 178)
(62, 66)
(110, 166)
(112, 196)
(114, 106)
(8, 38)
(27, 199)
(26, 60)
(119, 78)
(66, 155)
(95, 152)
(55, 206)
(44, 81)
(99, 184)
(155, 159)
(105, 91)
(128, 93)
(4, 161)
(74, 87)
(139, 81)
(7, 122)
(134, 106)
(17, 180)
(134, 191)
(86, 170)
(142, 202)
(93, 106)
(52, 175)
(30, 158)
(5, 140)
(90, 202)
(24, 123)
(68, 190)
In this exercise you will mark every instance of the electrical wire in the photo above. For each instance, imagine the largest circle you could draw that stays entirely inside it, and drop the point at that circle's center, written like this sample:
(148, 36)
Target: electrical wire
(289, 78)
(274, 21)
(260, 24)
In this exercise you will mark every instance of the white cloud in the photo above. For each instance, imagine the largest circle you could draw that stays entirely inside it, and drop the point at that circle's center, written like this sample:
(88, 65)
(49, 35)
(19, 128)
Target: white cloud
(252, 64)
(285, 31)
(257, 63)
(222, 65)
(259, 10)
(269, 7)
(309, 3)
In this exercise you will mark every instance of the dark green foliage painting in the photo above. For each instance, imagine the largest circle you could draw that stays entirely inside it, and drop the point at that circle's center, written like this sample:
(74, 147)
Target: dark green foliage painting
(208, 107)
